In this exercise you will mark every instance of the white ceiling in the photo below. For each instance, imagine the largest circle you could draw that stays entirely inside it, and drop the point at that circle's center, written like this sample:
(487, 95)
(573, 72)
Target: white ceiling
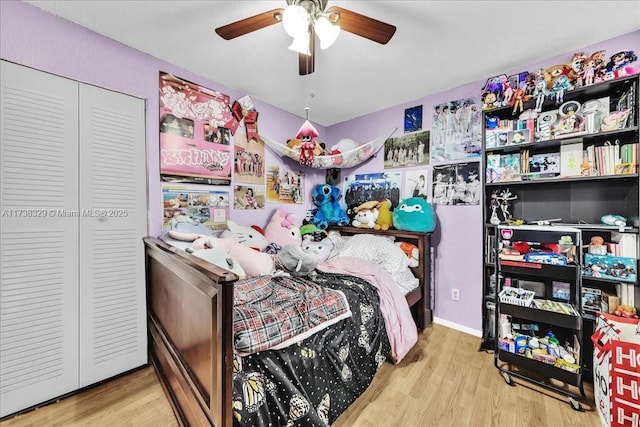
(438, 45)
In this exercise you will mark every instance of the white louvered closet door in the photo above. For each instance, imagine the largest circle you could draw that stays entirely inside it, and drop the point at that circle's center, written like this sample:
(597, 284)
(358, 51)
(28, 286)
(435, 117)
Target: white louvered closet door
(113, 192)
(38, 245)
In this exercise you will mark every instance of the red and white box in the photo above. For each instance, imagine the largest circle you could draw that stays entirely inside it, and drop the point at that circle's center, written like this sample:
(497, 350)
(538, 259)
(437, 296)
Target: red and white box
(616, 365)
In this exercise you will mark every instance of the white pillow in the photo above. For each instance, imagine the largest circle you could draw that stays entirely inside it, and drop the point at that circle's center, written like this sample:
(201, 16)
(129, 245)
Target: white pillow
(377, 249)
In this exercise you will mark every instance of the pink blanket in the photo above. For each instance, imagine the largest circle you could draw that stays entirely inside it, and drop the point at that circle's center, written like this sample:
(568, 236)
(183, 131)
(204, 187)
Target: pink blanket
(401, 328)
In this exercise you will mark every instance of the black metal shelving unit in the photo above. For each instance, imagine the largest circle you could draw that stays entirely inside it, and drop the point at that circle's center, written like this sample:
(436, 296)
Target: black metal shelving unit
(520, 364)
(577, 201)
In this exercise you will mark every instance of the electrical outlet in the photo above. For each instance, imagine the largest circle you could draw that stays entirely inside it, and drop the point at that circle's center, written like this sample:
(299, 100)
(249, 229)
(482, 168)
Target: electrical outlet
(455, 294)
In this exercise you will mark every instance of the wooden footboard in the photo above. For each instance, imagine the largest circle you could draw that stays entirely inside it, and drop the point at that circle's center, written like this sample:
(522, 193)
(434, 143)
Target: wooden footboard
(190, 306)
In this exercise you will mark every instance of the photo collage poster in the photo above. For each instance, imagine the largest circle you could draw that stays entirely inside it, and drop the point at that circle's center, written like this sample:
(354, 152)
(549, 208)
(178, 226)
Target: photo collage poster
(357, 189)
(181, 204)
(194, 143)
(456, 131)
(456, 184)
(408, 150)
(285, 185)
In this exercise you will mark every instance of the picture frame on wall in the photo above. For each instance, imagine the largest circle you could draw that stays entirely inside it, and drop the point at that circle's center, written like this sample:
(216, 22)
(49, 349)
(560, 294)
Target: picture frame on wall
(413, 119)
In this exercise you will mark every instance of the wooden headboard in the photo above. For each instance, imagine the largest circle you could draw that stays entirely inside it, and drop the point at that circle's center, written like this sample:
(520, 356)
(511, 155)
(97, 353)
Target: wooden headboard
(419, 299)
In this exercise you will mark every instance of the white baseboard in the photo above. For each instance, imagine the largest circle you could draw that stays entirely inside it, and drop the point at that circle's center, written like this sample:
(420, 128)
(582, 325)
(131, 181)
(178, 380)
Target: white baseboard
(461, 328)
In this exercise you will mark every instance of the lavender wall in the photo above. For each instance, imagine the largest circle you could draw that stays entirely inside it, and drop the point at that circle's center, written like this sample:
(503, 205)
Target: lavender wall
(458, 238)
(40, 40)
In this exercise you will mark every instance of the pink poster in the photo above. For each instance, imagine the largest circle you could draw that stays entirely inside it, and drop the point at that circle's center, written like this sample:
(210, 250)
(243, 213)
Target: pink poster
(195, 145)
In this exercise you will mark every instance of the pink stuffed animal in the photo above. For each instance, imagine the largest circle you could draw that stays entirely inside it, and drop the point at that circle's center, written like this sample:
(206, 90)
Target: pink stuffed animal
(282, 229)
(252, 262)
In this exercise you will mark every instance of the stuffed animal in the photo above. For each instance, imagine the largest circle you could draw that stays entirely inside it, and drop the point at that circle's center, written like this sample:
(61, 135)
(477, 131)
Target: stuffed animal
(328, 211)
(252, 263)
(282, 229)
(222, 259)
(366, 215)
(411, 251)
(252, 236)
(385, 216)
(627, 311)
(309, 148)
(414, 214)
(311, 232)
(293, 260)
(319, 250)
(343, 152)
(351, 211)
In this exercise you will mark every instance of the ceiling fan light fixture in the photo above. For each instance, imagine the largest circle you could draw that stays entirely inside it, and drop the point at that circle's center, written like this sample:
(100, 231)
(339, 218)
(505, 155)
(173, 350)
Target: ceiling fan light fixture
(295, 20)
(327, 32)
(300, 44)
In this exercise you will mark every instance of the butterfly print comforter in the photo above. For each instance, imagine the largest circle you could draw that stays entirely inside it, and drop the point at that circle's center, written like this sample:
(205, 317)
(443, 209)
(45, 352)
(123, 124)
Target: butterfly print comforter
(311, 382)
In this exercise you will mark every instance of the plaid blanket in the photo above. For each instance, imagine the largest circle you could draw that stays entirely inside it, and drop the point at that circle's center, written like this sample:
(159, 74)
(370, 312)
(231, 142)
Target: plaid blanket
(274, 312)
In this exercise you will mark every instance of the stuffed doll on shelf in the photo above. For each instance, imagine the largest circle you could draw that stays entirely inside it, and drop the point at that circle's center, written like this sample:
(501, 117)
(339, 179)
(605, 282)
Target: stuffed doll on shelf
(414, 214)
(328, 210)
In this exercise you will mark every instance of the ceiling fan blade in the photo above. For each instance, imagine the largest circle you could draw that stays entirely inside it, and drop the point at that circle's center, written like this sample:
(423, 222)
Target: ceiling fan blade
(364, 26)
(306, 63)
(248, 25)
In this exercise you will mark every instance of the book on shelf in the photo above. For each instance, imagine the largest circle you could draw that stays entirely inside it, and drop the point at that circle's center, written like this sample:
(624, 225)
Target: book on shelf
(626, 293)
(626, 244)
(614, 159)
(571, 156)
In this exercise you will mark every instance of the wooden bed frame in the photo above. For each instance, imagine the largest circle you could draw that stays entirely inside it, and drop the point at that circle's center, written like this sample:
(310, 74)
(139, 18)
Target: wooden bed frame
(190, 322)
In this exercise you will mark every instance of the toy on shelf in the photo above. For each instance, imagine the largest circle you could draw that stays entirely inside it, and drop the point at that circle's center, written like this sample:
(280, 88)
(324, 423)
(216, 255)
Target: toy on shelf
(627, 311)
(366, 215)
(612, 219)
(328, 210)
(414, 214)
(385, 216)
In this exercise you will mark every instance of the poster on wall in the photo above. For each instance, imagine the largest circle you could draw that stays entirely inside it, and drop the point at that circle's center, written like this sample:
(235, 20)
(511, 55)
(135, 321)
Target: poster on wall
(456, 184)
(413, 119)
(248, 159)
(415, 184)
(285, 185)
(194, 144)
(408, 150)
(209, 208)
(456, 133)
(357, 189)
(248, 197)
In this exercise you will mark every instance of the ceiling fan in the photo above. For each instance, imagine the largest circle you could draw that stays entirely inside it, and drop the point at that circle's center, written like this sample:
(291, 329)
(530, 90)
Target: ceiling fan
(303, 20)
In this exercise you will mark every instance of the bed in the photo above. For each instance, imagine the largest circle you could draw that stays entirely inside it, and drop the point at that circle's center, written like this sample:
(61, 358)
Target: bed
(191, 331)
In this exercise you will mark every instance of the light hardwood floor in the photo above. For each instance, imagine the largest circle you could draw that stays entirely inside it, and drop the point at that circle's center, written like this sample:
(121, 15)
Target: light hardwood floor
(443, 381)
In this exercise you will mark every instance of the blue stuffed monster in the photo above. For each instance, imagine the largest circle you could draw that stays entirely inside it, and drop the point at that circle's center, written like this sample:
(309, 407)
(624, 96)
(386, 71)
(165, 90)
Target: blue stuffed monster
(414, 214)
(328, 211)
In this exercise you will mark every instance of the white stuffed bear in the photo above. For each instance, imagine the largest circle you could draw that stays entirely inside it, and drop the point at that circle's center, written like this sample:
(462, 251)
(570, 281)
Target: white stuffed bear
(366, 215)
